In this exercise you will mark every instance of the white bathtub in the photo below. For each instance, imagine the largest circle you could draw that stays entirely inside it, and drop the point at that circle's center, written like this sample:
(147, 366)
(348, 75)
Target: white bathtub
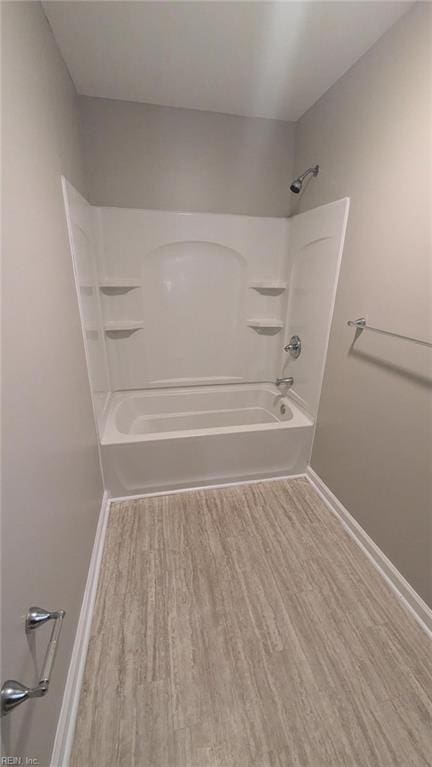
(166, 439)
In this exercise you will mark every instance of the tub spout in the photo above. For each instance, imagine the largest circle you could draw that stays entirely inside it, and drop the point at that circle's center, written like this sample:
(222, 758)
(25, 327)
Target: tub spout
(288, 381)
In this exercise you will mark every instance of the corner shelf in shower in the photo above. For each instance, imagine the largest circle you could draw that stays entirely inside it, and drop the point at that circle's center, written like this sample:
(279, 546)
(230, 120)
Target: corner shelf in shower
(269, 287)
(120, 285)
(119, 326)
(265, 324)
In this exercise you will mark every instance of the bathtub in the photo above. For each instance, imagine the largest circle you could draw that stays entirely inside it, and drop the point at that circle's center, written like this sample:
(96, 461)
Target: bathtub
(166, 439)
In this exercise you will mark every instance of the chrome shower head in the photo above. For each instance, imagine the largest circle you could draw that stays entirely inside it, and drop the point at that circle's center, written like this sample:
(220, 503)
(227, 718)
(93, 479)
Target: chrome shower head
(296, 185)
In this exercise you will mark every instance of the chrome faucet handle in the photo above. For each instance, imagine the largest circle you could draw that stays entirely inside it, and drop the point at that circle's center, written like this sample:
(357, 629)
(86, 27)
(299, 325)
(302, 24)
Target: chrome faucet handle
(294, 346)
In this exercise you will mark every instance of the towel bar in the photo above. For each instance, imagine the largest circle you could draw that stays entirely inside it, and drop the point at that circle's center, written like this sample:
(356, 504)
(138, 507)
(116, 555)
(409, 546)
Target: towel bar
(361, 324)
(14, 693)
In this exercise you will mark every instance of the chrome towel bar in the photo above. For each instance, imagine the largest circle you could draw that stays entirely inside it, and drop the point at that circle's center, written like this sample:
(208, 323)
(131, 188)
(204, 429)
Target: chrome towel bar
(14, 693)
(361, 324)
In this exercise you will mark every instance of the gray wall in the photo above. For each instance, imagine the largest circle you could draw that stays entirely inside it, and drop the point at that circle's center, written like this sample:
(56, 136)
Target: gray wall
(52, 485)
(143, 156)
(372, 135)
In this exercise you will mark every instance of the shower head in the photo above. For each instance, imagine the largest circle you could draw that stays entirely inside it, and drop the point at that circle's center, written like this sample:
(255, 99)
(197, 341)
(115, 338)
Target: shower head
(296, 185)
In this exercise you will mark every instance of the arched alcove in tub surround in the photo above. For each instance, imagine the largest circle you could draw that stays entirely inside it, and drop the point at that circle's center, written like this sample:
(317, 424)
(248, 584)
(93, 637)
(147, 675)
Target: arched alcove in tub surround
(207, 315)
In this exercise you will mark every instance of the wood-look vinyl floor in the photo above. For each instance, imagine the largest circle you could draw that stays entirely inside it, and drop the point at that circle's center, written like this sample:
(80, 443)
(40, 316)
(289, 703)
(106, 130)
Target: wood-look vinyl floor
(242, 627)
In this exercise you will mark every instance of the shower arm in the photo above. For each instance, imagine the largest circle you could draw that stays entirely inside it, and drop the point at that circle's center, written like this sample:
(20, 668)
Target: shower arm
(314, 170)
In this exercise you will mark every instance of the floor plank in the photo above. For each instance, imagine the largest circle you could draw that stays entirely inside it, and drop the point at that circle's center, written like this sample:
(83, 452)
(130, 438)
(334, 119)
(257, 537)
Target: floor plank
(242, 627)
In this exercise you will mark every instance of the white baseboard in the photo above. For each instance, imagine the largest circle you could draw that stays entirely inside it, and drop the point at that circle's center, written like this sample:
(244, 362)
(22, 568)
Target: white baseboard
(69, 709)
(405, 593)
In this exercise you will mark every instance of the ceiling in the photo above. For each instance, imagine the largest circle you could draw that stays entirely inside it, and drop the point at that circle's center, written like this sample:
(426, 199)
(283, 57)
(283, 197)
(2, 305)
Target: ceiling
(261, 59)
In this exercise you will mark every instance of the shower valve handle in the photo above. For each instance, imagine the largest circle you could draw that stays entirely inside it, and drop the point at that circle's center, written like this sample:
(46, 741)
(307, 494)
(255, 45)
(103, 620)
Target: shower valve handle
(294, 346)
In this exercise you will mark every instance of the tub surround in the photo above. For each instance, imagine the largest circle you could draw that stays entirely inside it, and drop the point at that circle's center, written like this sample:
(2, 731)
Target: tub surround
(200, 299)
(82, 241)
(185, 317)
(194, 298)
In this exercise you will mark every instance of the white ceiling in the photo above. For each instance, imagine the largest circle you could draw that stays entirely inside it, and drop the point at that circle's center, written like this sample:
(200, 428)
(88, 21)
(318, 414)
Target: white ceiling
(263, 59)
